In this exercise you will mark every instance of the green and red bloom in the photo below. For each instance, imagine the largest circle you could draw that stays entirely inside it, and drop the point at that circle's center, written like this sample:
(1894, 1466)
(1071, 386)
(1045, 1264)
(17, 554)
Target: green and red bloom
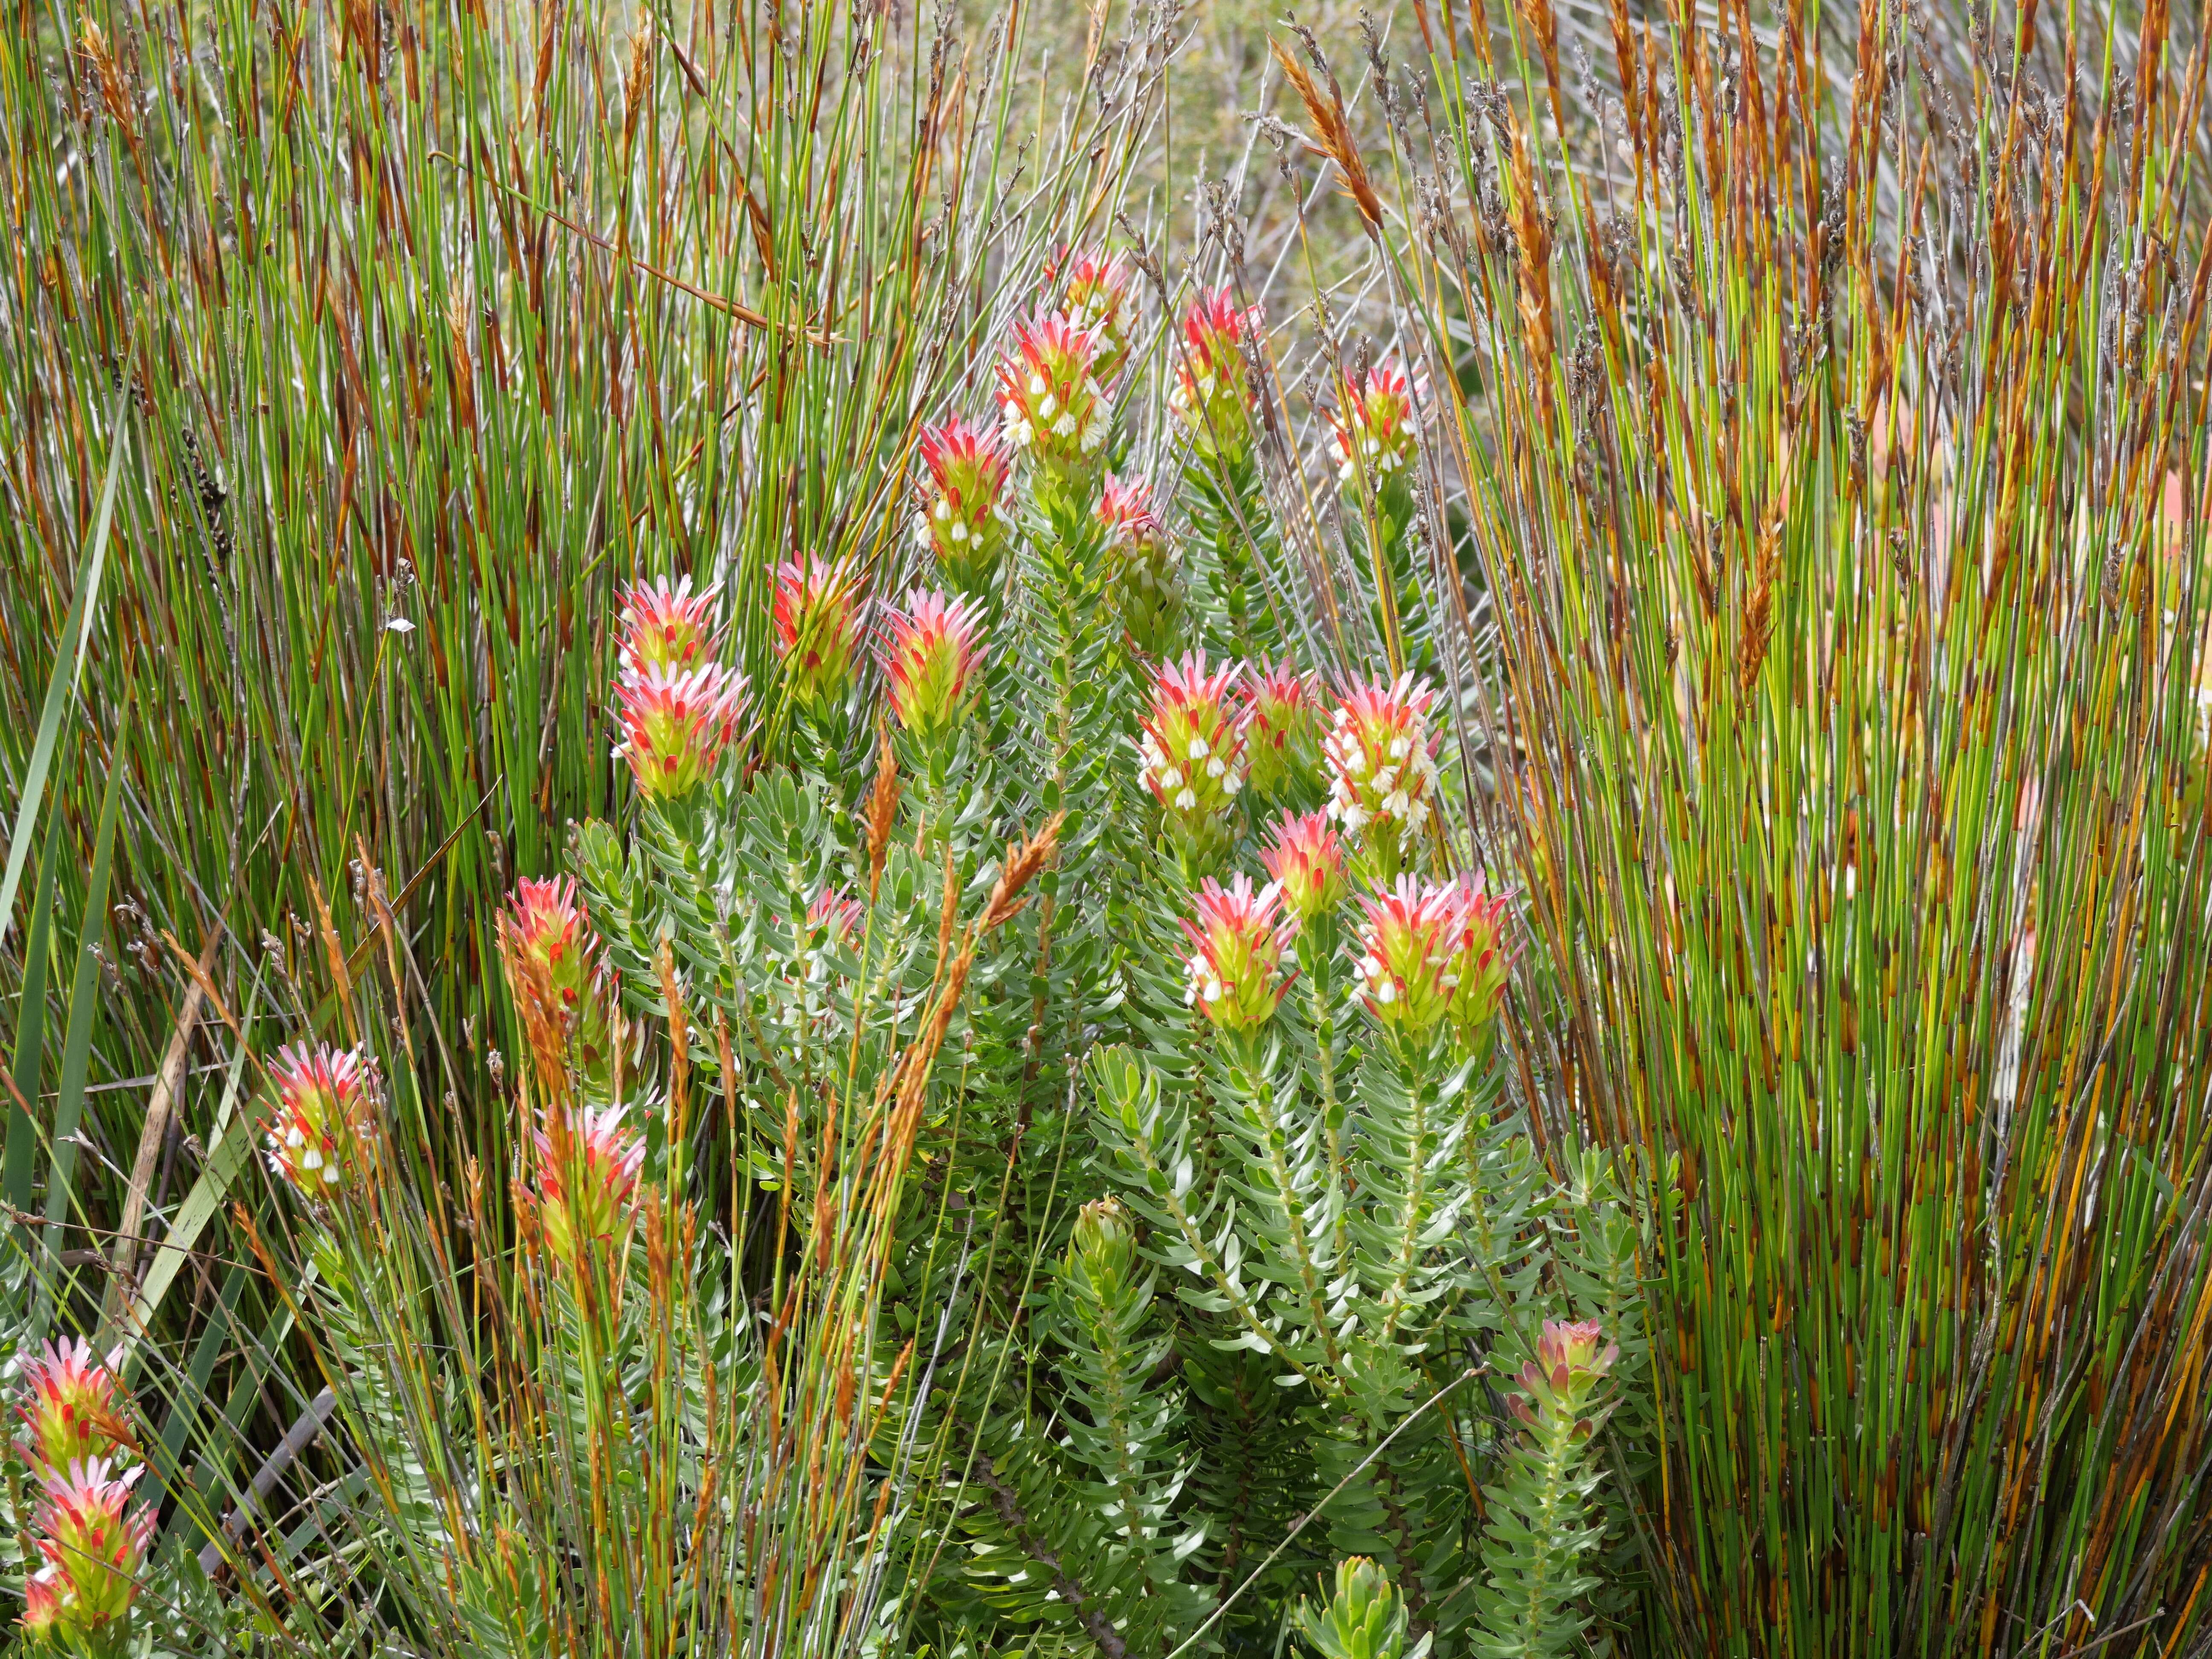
(94, 1547)
(667, 629)
(1213, 395)
(931, 662)
(1406, 948)
(1560, 1383)
(1048, 394)
(675, 727)
(1305, 861)
(1100, 299)
(1479, 960)
(1281, 729)
(322, 1130)
(833, 913)
(1190, 747)
(1234, 973)
(587, 1199)
(961, 514)
(553, 967)
(818, 610)
(68, 1407)
(1375, 428)
(1141, 566)
(1382, 761)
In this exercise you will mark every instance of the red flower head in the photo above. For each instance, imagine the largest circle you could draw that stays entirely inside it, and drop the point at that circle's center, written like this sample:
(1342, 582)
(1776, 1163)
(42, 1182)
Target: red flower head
(1406, 954)
(323, 1130)
(1479, 960)
(1125, 511)
(1213, 395)
(1279, 729)
(551, 957)
(675, 727)
(1306, 862)
(1191, 750)
(932, 661)
(1564, 1378)
(597, 1184)
(1382, 760)
(667, 629)
(1234, 972)
(837, 912)
(95, 1548)
(69, 1406)
(817, 626)
(1375, 427)
(960, 512)
(42, 1605)
(1048, 393)
(1099, 299)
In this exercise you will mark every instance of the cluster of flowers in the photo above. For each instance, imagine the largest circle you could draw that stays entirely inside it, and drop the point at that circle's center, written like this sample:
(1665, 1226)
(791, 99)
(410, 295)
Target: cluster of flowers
(1428, 952)
(92, 1543)
(678, 705)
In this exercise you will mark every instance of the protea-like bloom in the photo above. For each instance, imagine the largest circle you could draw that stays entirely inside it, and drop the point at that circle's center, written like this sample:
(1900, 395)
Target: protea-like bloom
(1561, 1381)
(1234, 973)
(1406, 951)
(1382, 760)
(1191, 750)
(94, 1547)
(1141, 567)
(1048, 393)
(1479, 960)
(1105, 1247)
(322, 1127)
(1098, 298)
(961, 514)
(42, 1605)
(554, 970)
(1213, 396)
(1375, 427)
(1281, 730)
(598, 1184)
(930, 662)
(817, 627)
(68, 1407)
(666, 629)
(675, 727)
(1305, 860)
(835, 910)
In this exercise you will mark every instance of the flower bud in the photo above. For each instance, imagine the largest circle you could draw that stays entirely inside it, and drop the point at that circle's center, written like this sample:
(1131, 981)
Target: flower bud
(1382, 762)
(1048, 393)
(1213, 396)
(1233, 975)
(559, 985)
(1477, 971)
(1098, 299)
(817, 627)
(961, 514)
(1406, 952)
(675, 727)
(1305, 861)
(1105, 1247)
(68, 1407)
(1373, 430)
(1141, 567)
(666, 629)
(322, 1127)
(1281, 731)
(1365, 1618)
(931, 662)
(1562, 1380)
(599, 1183)
(95, 1548)
(1191, 749)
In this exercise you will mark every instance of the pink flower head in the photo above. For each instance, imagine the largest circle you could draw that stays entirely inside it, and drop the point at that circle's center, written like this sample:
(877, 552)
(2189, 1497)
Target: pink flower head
(666, 628)
(1405, 953)
(42, 1604)
(1124, 512)
(553, 968)
(1099, 297)
(1381, 760)
(69, 1406)
(675, 727)
(1375, 427)
(932, 661)
(834, 910)
(1191, 750)
(960, 513)
(817, 626)
(1235, 967)
(588, 1200)
(1479, 959)
(1049, 393)
(1213, 396)
(323, 1128)
(1305, 860)
(1564, 1377)
(1279, 731)
(94, 1545)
